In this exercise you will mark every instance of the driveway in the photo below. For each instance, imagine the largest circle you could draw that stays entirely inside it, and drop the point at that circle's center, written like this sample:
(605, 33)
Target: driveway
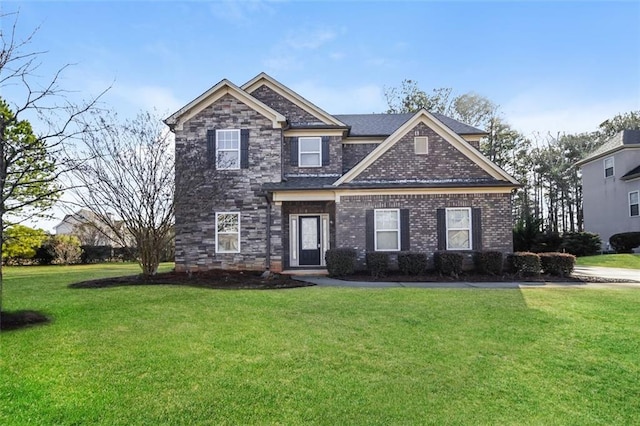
(632, 276)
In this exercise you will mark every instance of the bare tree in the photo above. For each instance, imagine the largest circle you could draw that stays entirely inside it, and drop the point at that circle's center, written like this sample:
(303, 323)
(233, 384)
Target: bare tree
(125, 174)
(37, 119)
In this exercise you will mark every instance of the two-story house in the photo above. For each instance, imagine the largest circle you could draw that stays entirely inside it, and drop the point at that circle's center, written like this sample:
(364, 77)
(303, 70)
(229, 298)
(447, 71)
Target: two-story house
(301, 181)
(611, 186)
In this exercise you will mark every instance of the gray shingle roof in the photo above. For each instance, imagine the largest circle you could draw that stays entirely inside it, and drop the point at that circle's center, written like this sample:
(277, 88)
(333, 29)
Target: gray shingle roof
(619, 141)
(632, 174)
(386, 124)
(317, 183)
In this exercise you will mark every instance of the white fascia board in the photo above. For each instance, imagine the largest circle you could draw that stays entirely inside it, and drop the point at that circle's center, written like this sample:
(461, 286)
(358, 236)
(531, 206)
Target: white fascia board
(282, 90)
(224, 87)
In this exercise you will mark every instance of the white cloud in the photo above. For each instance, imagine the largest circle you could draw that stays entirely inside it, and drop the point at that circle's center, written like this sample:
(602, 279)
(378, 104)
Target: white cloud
(363, 99)
(311, 40)
(544, 111)
(149, 97)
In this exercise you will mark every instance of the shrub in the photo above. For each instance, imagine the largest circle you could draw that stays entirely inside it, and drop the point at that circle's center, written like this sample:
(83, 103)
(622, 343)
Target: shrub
(488, 262)
(411, 263)
(547, 242)
(625, 242)
(526, 232)
(95, 254)
(448, 263)
(66, 249)
(581, 243)
(559, 264)
(44, 254)
(377, 263)
(340, 261)
(524, 263)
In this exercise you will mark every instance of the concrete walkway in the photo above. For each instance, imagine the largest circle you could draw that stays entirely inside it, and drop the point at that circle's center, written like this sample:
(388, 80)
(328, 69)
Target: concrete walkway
(611, 273)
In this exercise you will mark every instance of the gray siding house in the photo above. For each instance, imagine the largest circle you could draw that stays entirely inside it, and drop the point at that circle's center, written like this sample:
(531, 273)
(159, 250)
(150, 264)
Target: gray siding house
(301, 181)
(611, 186)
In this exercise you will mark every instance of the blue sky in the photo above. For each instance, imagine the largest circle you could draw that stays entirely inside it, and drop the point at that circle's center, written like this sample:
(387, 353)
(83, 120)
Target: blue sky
(551, 66)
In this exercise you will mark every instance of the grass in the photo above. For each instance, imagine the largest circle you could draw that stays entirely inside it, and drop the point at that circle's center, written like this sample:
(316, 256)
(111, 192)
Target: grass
(628, 261)
(179, 355)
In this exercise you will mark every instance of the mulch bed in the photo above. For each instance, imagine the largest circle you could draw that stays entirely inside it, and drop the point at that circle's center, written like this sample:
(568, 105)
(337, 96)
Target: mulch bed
(21, 319)
(215, 279)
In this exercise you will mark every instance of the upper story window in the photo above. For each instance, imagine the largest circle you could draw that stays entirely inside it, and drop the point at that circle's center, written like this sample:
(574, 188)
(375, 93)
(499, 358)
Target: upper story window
(634, 203)
(387, 229)
(458, 221)
(421, 145)
(228, 149)
(608, 167)
(228, 232)
(310, 152)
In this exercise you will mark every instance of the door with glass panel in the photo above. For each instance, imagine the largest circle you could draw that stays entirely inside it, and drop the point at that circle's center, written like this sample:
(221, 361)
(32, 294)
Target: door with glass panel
(309, 240)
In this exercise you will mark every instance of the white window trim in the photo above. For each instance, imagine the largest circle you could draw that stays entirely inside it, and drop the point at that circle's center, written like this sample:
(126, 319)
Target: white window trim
(219, 150)
(415, 145)
(375, 228)
(227, 233)
(638, 204)
(319, 152)
(613, 167)
(447, 229)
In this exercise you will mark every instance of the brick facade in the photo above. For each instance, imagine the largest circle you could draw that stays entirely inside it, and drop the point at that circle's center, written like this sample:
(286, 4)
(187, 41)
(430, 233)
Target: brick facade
(352, 153)
(496, 225)
(443, 161)
(333, 168)
(294, 113)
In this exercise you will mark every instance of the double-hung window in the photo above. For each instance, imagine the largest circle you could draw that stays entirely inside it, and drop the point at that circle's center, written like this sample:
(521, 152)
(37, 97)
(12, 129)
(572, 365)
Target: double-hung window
(228, 232)
(310, 152)
(387, 229)
(458, 222)
(634, 203)
(608, 167)
(228, 149)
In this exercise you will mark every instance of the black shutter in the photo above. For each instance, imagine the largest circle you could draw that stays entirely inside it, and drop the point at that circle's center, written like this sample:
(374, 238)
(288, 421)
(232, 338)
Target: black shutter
(211, 147)
(370, 229)
(441, 229)
(476, 228)
(244, 148)
(404, 230)
(325, 151)
(294, 151)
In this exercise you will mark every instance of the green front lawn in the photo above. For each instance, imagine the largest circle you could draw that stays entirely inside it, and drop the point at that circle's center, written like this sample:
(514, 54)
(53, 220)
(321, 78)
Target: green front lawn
(182, 355)
(628, 261)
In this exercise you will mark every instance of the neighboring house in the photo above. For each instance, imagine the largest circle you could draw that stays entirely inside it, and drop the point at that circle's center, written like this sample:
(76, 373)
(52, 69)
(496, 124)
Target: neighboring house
(302, 181)
(84, 225)
(611, 186)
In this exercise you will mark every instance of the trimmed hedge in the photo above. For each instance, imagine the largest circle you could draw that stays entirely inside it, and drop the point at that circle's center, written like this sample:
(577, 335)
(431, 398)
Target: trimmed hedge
(95, 254)
(488, 262)
(559, 264)
(411, 263)
(524, 263)
(625, 242)
(448, 263)
(377, 263)
(340, 261)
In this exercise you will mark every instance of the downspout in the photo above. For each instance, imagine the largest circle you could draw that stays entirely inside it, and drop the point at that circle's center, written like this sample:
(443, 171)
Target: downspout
(268, 256)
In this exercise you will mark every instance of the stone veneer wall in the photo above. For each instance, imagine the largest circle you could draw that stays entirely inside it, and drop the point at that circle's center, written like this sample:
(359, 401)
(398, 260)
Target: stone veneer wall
(242, 191)
(335, 159)
(353, 153)
(496, 219)
(443, 161)
(294, 113)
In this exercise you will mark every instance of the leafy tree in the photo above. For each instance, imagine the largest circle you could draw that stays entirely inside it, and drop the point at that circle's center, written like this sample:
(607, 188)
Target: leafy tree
(410, 98)
(21, 242)
(475, 110)
(625, 121)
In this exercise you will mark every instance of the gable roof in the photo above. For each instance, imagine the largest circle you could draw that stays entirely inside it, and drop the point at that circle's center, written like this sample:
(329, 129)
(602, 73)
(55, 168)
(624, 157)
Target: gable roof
(177, 119)
(263, 79)
(632, 174)
(441, 129)
(622, 139)
(386, 124)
